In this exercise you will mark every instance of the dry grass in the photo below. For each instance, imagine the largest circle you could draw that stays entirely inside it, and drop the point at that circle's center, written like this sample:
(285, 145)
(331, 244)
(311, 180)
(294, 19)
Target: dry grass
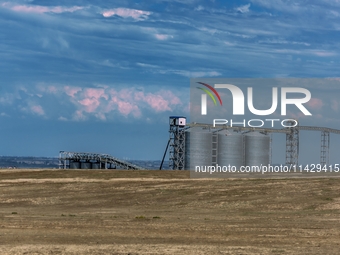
(165, 212)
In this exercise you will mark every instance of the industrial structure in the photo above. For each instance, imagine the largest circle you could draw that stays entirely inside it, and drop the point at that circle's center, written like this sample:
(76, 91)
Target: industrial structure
(84, 160)
(176, 142)
(198, 144)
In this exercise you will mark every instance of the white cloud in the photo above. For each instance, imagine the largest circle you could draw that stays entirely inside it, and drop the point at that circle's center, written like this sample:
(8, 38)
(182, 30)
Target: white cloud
(127, 13)
(7, 98)
(147, 65)
(37, 109)
(199, 8)
(319, 53)
(323, 53)
(163, 37)
(229, 43)
(39, 8)
(243, 8)
(33, 108)
(61, 118)
(278, 41)
(191, 74)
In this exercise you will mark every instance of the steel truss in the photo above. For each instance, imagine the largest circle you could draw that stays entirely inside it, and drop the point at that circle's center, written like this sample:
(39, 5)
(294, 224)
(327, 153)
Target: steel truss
(325, 142)
(66, 157)
(292, 146)
(177, 146)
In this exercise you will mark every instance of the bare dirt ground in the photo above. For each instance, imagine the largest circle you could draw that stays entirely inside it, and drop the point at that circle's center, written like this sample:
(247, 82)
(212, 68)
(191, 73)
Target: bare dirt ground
(165, 212)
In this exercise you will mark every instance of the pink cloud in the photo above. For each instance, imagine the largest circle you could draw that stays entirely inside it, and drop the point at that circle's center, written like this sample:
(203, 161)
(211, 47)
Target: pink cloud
(95, 93)
(315, 104)
(160, 102)
(296, 116)
(100, 116)
(37, 109)
(104, 102)
(91, 104)
(40, 9)
(157, 102)
(174, 100)
(126, 13)
(91, 98)
(52, 89)
(71, 91)
(101, 101)
(126, 94)
(79, 116)
(48, 89)
(124, 107)
(113, 92)
(299, 115)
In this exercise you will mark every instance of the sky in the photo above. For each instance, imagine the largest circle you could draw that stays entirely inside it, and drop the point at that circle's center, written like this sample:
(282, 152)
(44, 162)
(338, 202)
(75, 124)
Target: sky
(104, 76)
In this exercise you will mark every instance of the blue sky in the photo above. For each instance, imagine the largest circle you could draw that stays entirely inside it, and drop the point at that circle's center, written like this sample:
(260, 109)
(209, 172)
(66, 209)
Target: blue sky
(104, 76)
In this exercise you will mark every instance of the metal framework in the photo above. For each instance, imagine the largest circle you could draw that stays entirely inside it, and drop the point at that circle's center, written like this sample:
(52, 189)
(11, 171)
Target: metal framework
(214, 148)
(292, 146)
(177, 145)
(103, 160)
(292, 138)
(270, 149)
(325, 143)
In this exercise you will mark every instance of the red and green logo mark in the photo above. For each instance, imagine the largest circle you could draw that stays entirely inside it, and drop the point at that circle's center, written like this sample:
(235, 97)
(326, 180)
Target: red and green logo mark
(204, 97)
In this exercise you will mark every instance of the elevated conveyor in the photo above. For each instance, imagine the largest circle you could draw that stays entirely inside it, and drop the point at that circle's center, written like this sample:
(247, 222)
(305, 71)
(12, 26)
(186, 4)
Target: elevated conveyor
(104, 161)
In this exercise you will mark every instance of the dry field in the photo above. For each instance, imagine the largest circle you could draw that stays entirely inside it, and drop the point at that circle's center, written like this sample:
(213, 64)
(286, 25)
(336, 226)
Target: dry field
(165, 212)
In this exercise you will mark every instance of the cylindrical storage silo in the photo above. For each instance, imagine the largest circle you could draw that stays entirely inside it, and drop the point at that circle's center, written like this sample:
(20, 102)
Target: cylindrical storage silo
(257, 149)
(198, 148)
(85, 165)
(74, 165)
(95, 165)
(230, 149)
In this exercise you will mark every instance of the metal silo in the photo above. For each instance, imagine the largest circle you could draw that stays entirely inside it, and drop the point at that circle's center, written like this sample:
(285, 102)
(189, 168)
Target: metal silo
(74, 165)
(85, 165)
(198, 148)
(96, 165)
(230, 149)
(257, 149)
